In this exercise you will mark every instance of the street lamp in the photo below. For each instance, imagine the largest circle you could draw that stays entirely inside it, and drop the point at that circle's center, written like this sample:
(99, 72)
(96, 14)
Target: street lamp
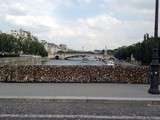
(154, 66)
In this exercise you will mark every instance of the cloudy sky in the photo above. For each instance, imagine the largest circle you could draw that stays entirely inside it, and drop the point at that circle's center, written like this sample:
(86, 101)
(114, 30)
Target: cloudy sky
(88, 24)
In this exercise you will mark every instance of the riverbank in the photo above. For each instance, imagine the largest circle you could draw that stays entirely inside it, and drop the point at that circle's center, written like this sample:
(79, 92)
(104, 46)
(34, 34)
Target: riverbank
(9, 55)
(22, 60)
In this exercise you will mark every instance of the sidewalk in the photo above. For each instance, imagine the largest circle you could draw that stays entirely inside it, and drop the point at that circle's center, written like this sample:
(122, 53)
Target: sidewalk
(104, 92)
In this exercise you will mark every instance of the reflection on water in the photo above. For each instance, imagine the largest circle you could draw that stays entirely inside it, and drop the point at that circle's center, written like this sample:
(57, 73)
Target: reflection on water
(73, 62)
(46, 61)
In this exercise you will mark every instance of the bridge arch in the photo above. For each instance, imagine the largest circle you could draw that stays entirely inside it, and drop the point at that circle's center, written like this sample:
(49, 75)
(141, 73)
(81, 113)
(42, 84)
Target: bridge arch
(75, 56)
(57, 57)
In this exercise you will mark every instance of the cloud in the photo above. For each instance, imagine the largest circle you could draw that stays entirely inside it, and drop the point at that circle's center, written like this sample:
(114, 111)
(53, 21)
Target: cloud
(106, 30)
(29, 20)
(98, 31)
(135, 9)
(115, 23)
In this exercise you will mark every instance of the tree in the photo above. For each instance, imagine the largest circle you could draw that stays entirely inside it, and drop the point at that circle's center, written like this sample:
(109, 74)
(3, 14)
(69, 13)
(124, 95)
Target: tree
(8, 43)
(141, 51)
(29, 45)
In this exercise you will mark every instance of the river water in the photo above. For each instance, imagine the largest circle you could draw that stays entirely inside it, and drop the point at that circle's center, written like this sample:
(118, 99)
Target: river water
(46, 61)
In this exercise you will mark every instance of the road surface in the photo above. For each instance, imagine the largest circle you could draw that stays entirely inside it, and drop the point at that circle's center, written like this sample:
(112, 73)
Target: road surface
(77, 102)
(49, 110)
(75, 90)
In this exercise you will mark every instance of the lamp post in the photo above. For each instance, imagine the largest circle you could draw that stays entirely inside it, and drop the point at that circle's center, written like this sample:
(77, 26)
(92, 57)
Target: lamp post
(154, 66)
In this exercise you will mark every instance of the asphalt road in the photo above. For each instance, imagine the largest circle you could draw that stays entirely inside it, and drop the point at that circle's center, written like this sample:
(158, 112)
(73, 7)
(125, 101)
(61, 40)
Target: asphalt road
(34, 109)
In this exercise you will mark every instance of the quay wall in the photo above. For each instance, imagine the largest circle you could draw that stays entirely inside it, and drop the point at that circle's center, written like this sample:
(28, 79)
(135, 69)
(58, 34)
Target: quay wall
(73, 74)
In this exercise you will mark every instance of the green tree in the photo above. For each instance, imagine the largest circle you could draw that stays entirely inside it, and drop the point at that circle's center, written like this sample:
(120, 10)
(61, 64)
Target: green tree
(29, 45)
(8, 43)
(141, 51)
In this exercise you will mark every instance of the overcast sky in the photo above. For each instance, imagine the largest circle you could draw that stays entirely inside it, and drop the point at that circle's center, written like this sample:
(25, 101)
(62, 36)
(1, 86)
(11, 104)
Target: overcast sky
(88, 24)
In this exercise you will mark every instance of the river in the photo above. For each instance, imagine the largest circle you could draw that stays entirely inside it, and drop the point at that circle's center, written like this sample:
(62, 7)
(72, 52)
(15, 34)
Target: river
(46, 61)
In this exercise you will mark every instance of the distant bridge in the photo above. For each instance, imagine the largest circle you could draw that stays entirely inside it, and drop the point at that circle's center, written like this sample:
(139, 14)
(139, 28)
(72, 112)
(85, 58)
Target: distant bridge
(75, 54)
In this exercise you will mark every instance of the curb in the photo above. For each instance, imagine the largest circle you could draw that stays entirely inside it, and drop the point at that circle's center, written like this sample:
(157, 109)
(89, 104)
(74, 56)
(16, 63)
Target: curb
(84, 99)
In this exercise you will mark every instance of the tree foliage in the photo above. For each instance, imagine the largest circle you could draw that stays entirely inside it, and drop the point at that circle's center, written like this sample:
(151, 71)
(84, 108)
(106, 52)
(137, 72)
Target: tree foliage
(141, 51)
(29, 45)
(8, 43)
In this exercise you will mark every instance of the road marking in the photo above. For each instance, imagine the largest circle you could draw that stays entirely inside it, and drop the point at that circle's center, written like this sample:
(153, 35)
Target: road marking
(79, 116)
(85, 98)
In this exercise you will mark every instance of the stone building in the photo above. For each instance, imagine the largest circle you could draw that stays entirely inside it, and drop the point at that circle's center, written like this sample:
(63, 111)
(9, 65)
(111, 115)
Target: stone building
(52, 49)
(20, 33)
(63, 47)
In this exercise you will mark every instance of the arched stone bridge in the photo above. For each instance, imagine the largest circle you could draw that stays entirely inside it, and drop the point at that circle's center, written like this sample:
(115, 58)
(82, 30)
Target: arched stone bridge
(74, 54)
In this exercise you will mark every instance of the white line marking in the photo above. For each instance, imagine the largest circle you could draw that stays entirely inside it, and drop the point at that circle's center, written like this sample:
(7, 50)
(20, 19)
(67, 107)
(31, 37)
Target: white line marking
(79, 116)
(83, 98)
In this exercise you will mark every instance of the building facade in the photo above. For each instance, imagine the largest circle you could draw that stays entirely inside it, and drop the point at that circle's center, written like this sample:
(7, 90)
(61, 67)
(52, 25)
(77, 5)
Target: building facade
(52, 49)
(20, 33)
